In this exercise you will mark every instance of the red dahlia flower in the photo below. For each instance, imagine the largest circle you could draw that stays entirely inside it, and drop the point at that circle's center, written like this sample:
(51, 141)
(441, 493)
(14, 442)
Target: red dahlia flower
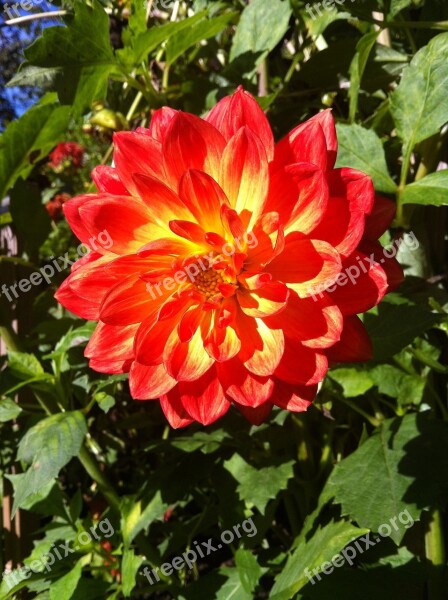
(67, 151)
(213, 291)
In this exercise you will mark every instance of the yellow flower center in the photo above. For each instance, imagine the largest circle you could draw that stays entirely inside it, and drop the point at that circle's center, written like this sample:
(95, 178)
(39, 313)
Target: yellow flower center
(208, 281)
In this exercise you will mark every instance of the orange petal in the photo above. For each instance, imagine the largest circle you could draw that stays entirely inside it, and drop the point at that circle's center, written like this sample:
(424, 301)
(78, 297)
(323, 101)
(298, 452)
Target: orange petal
(244, 173)
(307, 266)
(191, 143)
(118, 224)
(203, 197)
(301, 365)
(240, 110)
(204, 399)
(243, 386)
(149, 382)
(299, 193)
(137, 153)
(268, 353)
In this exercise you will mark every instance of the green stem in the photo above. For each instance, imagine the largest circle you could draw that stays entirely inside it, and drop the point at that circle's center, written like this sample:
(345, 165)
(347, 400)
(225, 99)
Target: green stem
(435, 553)
(372, 420)
(92, 468)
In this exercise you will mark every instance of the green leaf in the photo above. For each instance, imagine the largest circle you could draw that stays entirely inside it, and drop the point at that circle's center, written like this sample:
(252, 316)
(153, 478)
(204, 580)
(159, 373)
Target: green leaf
(362, 149)
(398, 469)
(418, 105)
(262, 25)
(248, 569)
(28, 139)
(134, 519)
(141, 45)
(258, 486)
(357, 67)
(398, 5)
(204, 29)
(431, 190)
(47, 447)
(406, 388)
(32, 221)
(79, 56)
(9, 410)
(64, 588)
(310, 554)
(392, 327)
(353, 382)
(129, 569)
(24, 366)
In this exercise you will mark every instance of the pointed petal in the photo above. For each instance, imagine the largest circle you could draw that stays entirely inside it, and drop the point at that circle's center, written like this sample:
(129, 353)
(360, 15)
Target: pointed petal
(137, 153)
(174, 410)
(191, 143)
(203, 197)
(244, 174)
(111, 342)
(269, 351)
(240, 110)
(160, 121)
(204, 399)
(106, 180)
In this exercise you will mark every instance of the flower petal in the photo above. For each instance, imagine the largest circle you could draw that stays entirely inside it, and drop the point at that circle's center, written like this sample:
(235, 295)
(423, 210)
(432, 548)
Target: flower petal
(301, 365)
(204, 399)
(149, 382)
(243, 386)
(244, 174)
(137, 153)
(191, 143)
(240, 110)
(354, 345)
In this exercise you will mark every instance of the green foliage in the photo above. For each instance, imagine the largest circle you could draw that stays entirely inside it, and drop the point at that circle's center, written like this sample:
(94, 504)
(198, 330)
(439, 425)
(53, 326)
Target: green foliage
(76, 450)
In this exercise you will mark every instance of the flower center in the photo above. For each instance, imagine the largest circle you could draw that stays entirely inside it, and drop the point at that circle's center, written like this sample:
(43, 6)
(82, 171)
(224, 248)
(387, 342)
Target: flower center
(208, 281)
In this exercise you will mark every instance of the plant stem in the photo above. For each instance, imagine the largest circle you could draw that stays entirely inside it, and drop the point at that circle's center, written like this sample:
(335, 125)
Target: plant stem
(372, 420)
(435, 553)
(92, 468)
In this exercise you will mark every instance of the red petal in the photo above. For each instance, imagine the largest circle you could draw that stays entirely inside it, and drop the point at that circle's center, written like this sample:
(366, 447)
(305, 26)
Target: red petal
(378, 221)
(111, 342)
(315, 322)
(306, 265)
(174, 410)
(304, 144)
(149, 382)
(256, 416)
(299, 193)
(204, 198)
(243, 386)
(240, 110)
(204, 399)
(106, 180)
(296, 398)
(244, 173)
(160, 121)
(363, 286)
(191, 143)
(301, 365)
(137, 153)
(268, 351)
(118, 224)
(354, 345)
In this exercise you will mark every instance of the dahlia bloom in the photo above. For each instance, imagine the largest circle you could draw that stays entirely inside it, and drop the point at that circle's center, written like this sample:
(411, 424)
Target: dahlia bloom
(219, 287)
